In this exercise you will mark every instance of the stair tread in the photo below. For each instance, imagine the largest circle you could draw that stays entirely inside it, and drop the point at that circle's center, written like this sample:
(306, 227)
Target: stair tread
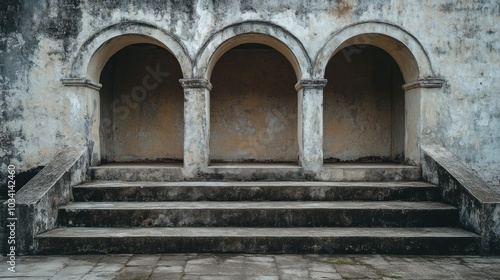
(88, 232)
(425, 205)
(228, 165)
(354, 165)
(118, 184)
(257, 172)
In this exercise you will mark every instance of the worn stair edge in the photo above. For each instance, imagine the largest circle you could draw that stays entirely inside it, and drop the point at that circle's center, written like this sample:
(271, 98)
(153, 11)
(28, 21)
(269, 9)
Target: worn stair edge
(255, 191)
(137, 172)
(258, 214)
(376, 172)
(258, 240)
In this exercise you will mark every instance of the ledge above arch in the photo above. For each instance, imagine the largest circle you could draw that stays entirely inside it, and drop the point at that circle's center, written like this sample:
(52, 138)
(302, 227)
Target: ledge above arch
(406, 50)
(96, 51)
(252, 32)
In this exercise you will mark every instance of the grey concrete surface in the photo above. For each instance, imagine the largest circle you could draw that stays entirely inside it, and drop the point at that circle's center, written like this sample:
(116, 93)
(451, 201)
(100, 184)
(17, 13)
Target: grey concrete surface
(252, 267)
(374, 172)
(54, 55)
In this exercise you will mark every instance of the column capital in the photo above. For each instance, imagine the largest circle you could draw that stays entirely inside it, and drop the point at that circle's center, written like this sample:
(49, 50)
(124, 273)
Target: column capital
(310, 83)
(424, 83)
(196, 83)
(81, 82)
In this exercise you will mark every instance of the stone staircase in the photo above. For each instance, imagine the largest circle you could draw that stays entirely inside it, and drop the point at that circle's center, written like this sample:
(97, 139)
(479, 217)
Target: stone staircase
(402, 216)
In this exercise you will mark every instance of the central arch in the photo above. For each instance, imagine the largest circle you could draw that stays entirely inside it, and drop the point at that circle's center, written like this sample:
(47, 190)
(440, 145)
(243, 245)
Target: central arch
(253, 107)
(252, 32)
(277, 115)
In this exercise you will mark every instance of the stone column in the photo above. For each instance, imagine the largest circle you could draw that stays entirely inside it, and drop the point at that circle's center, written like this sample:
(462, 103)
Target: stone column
(86, 92)
(310, 123)
(196, 124)
(415, 93)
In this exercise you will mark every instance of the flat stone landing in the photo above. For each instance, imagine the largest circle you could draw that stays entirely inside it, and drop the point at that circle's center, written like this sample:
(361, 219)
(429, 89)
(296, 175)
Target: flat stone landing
(375, 172)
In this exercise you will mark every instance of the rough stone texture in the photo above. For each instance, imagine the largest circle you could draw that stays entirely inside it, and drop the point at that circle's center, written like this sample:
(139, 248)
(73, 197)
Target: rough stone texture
(310, 123)
(368, 172)
(38, 201)
(259, 240)
(256, 172)
(197, 128)
(53, 54)
(255, 267)
(257, 214)
(45, 41)
(479, 206)
(256, 191)
(256, 217)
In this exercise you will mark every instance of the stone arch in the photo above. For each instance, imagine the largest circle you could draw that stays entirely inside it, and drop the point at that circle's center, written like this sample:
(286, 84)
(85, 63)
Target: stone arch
(252, 32)
(411, 58)
(96, 51)
(406, 50)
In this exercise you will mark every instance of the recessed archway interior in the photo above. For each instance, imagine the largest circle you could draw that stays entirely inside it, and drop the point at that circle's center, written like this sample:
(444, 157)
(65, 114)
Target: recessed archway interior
(253, 106)
(364, 106)
(141, 106)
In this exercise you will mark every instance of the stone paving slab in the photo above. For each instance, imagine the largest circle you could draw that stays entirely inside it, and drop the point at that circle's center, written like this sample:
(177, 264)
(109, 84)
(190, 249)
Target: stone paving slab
(251, 267)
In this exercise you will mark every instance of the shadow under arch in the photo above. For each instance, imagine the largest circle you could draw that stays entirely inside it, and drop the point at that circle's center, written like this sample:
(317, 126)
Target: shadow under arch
(406, 50)
(252, 32)
(411, 58)
(96, 51)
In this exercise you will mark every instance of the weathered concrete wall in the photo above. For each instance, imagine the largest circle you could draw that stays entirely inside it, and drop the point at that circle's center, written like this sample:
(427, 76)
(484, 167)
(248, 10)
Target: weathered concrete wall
(362, 107)
(478, 204)
(38, 116)
(37, 203)
(142, 116)
(253, 107)
(43, 41)
(465, 115)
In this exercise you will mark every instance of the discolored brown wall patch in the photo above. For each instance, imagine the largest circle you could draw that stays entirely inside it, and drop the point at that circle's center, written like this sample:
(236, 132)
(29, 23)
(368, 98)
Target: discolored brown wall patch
(253, 107)
(363, 106)
(142, 106)
(342, 8)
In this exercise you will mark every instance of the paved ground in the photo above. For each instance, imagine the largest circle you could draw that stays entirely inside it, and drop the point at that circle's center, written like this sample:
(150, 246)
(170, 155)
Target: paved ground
(262, 267)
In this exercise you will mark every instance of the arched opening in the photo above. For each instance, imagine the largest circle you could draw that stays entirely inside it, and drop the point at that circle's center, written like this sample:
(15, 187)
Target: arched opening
(141, 106)
(364, 106)
(253, 106)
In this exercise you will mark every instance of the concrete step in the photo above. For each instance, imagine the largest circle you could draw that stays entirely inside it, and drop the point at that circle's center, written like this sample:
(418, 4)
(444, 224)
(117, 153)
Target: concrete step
(258, 240)
(255, 191)
(348, 172)
(374, 172)
(258, 214)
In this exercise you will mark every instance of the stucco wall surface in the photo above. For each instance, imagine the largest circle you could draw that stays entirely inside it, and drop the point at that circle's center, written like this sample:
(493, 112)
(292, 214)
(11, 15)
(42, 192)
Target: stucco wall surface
(142, 114)
(253, 107)
(42, 42)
